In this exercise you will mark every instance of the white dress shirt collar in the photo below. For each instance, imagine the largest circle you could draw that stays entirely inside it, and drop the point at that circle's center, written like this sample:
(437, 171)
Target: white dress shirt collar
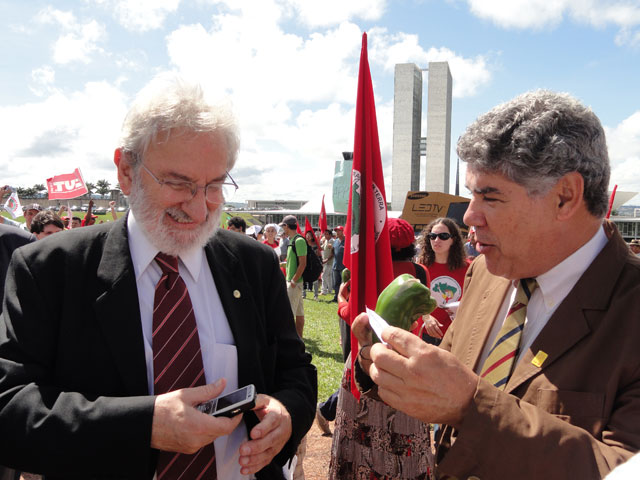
(556, 283)
(143, 252)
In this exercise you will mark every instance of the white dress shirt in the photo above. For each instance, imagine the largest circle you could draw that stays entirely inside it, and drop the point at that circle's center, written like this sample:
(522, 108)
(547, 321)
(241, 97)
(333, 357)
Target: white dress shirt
(219, 356)
(553, 287)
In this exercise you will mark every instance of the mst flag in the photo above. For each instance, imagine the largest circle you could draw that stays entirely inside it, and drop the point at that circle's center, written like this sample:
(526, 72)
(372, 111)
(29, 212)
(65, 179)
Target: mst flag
(367, 250)
(322, 220)
(12, 205)
(66, 186)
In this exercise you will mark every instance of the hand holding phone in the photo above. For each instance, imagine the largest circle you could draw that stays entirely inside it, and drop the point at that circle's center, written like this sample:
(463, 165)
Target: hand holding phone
(231, 404)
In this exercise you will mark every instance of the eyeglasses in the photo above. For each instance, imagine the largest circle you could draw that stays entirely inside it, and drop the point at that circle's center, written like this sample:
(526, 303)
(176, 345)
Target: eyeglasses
(212, 191)
(441, 236)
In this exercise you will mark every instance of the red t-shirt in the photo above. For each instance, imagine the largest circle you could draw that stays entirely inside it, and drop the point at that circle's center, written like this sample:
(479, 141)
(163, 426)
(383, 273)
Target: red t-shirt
(272, 245)
(446, 286)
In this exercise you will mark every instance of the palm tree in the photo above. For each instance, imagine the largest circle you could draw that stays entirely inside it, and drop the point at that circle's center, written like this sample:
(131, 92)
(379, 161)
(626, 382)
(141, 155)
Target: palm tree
(90, 188)
(102, 187)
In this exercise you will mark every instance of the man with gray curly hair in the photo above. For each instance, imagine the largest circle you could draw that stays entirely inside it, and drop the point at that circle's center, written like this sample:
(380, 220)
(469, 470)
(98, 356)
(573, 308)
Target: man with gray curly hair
(539, 374)
(141, 320)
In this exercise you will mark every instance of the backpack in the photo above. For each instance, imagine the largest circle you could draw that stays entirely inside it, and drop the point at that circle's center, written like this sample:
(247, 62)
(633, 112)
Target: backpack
(313, 269)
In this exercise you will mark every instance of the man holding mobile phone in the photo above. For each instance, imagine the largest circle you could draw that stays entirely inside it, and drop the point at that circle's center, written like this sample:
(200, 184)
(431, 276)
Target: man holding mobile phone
(168, 311)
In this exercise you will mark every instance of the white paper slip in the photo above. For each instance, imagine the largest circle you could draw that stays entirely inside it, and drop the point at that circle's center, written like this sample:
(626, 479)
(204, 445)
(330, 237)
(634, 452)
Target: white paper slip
(453, 306)
(378, 324)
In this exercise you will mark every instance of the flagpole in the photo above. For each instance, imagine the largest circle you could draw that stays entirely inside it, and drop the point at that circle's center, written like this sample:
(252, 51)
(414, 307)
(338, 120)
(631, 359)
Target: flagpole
(367, 251)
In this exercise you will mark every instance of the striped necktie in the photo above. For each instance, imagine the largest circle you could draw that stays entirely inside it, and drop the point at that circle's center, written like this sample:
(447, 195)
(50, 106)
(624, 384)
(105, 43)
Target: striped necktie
(177, 363)
(498, 366)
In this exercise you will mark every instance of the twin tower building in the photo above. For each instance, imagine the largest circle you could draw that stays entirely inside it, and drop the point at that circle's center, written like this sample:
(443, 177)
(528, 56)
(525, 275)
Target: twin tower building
(408, 145)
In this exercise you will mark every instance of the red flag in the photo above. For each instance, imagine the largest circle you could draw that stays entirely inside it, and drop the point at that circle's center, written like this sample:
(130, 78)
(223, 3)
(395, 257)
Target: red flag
(611, 199)
(367, 250)
(322, 220)
(309, 228)
(67, 185)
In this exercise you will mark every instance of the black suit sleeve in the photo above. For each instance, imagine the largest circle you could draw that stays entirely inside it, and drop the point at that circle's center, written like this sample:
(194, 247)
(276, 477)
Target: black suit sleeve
(48, 424)
(295, 377)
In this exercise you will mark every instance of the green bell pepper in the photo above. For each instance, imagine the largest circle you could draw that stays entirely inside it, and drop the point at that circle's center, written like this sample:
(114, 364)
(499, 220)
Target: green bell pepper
(403, 301)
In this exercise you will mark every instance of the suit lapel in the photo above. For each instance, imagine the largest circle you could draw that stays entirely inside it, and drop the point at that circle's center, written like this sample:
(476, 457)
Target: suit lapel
(117, 310)
(591, 293)
(237, 300)
(482, 320)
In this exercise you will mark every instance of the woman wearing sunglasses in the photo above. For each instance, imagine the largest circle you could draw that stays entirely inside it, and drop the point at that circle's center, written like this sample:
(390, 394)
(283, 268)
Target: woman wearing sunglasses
(442, 252)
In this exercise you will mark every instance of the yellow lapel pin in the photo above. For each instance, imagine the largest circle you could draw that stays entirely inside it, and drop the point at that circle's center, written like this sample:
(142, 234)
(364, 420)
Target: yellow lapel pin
(539, 359)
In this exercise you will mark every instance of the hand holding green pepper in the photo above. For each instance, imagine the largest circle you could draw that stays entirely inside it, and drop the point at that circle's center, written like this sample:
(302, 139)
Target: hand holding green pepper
(403, 301)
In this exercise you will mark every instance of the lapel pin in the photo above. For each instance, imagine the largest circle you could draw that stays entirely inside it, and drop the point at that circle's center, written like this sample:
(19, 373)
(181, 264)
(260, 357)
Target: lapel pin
(236, 293)
(539, 359)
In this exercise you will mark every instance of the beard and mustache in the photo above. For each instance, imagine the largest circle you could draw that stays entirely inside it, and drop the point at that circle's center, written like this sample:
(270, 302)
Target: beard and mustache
(166, 237)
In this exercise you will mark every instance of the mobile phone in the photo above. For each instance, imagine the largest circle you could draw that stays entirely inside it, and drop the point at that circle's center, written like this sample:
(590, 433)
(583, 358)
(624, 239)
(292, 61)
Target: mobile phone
(231, 404)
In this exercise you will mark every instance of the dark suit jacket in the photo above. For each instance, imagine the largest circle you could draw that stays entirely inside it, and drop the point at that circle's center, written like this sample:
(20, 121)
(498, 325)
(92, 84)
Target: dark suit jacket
(10, 239)
(73, 382)
(578, 414)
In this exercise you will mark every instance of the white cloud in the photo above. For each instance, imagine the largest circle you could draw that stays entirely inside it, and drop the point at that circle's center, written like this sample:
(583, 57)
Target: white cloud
(519, 13)
(334, 12)
(468, 74)
(624, 152)
(537, 14)
(42, 80)
(295, 94)
(78, 40)
(142, 15)
(62, 132)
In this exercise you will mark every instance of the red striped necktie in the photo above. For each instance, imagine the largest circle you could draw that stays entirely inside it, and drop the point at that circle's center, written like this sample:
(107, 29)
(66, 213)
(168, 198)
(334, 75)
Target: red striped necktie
(177, 363)
(498, 366)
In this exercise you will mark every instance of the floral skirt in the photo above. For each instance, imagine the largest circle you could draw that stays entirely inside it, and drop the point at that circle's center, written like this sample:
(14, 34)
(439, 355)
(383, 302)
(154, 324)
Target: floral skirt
(373, 441)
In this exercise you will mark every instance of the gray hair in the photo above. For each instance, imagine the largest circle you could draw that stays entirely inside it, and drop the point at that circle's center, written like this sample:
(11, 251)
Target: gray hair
(169, 103)
(535, 139)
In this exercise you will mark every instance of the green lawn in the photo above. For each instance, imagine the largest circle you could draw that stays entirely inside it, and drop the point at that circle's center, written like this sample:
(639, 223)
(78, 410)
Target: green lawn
(322, 338)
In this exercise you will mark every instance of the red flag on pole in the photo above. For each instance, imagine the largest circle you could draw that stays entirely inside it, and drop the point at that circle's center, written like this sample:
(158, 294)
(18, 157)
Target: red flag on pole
(67, 185)
(367, 250)
(322, 220)
(611, 199)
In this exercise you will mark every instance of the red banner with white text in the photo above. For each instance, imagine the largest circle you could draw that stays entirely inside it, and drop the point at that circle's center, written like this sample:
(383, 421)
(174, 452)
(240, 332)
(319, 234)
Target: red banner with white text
(66, 186)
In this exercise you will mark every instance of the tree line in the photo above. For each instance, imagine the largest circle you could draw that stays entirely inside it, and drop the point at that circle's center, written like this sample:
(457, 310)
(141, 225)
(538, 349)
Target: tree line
(39, 189)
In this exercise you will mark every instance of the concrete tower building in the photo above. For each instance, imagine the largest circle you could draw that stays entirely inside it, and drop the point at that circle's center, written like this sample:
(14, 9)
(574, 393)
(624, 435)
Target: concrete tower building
(407, 111)
(438, 128)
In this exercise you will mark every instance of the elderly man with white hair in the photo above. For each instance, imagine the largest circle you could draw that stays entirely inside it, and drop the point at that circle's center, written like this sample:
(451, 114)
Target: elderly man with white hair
(140, 320)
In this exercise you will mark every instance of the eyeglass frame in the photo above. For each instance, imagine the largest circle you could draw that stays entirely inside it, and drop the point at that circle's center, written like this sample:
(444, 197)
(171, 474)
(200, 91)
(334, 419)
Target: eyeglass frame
(432, 236)
(177, 185)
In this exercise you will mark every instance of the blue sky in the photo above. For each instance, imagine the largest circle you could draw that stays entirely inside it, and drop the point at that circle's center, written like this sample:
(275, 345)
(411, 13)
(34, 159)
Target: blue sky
(69, 70)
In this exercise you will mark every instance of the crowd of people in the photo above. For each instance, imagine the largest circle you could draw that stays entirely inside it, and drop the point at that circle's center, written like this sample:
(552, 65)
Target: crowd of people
(528, 367)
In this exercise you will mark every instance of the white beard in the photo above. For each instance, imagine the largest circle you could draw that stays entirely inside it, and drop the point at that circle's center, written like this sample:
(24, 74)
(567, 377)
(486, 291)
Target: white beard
(164, 237)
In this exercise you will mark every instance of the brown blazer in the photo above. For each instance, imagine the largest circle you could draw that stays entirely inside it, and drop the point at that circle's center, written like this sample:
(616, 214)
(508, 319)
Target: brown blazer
(578, 414)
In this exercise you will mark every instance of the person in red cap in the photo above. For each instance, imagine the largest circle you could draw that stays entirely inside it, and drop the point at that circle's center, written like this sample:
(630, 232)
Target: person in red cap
(403, 249)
